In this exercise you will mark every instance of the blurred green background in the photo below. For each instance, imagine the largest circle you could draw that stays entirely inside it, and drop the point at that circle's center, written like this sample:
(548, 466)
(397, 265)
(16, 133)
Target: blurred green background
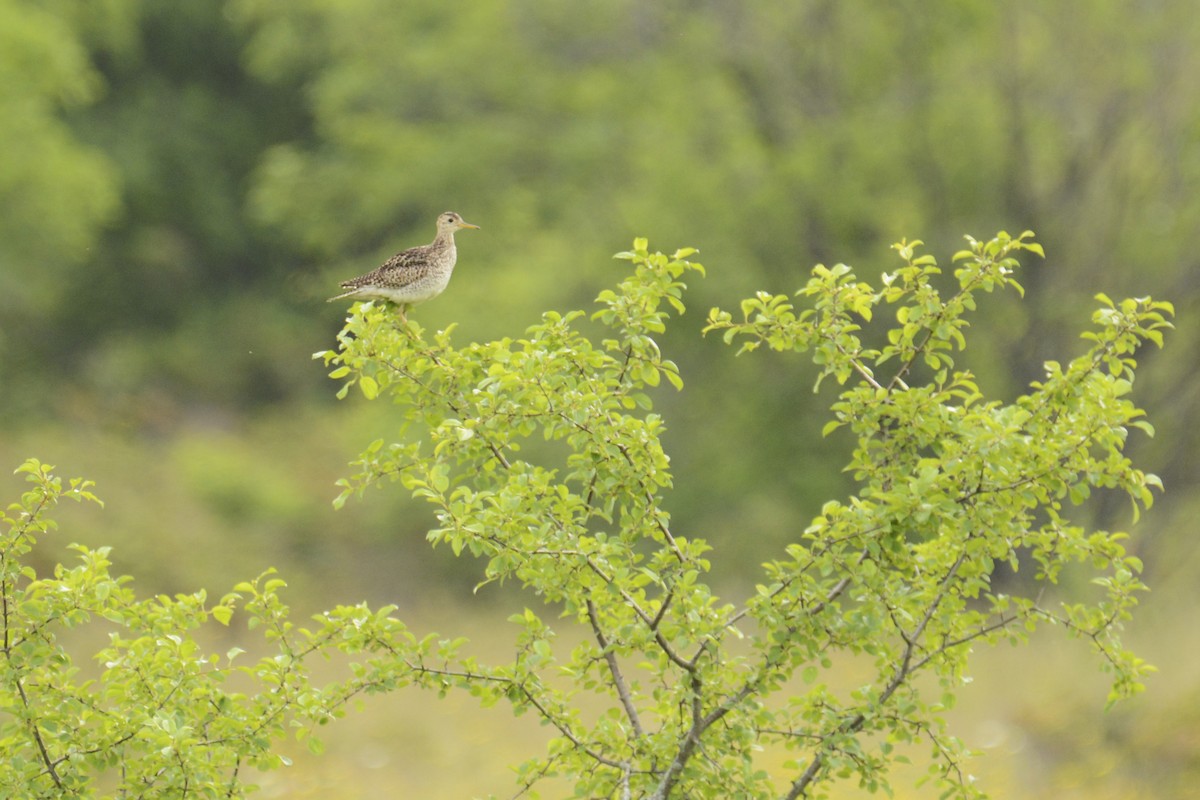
(183, 184)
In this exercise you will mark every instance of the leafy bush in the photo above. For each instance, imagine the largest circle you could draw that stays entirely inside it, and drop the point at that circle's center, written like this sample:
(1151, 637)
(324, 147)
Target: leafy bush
(542, 456)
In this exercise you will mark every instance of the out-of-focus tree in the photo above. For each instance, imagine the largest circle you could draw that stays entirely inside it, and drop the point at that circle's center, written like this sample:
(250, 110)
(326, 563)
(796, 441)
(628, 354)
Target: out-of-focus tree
(265, 150)
(173, 125)
(57, 191)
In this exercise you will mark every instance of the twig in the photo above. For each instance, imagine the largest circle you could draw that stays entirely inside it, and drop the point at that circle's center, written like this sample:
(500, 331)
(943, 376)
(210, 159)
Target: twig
(649, 621)
(904, 669)
(690, 740)
(31, 721)
(615, 669)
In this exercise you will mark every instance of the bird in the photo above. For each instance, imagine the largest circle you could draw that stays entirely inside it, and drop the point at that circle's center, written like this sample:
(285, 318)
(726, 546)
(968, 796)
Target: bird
(415, 275)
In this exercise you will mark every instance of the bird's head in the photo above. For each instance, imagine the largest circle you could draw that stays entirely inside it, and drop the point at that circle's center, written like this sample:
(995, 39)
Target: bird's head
(451, 222)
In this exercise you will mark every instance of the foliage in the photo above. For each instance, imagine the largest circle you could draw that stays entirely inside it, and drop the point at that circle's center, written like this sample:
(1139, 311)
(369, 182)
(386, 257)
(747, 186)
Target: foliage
(164, 717)
(899, 576)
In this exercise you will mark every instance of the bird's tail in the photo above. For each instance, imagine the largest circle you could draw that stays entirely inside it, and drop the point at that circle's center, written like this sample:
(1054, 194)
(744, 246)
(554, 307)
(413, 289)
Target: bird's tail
(340, 296)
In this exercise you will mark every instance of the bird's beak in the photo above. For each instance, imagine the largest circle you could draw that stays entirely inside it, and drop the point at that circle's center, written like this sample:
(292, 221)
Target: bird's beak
(467, 225)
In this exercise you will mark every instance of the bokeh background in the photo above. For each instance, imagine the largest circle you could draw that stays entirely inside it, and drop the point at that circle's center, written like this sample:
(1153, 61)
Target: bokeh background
(183, 184)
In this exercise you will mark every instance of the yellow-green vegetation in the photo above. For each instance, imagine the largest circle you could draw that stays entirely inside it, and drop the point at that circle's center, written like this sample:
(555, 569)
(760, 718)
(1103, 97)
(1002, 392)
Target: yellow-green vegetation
(838, 667)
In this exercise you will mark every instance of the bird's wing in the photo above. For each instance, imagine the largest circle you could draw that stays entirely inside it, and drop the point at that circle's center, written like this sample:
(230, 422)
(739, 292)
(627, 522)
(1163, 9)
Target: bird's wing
(397, 272)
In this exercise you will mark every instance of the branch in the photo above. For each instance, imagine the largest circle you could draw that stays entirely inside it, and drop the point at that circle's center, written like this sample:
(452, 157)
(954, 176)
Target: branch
(31, 722)
(544, 770)
(651, 623)
(833, 594)
(751, 686)
(903, 670)
(690, 740)
(560, 725)
(897, 379)
(1003, 622)
(451, 404)
(800, 787)
(623, 449)
(615, 669)
(862, 370)
(37, 736)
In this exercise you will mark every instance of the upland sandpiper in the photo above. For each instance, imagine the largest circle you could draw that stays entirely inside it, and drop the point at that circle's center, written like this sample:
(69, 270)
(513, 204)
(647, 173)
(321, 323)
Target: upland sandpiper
(418, 274)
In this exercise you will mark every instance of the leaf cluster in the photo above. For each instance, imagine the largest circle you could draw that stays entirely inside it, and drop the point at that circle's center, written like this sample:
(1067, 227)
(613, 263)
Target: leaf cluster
(158, 714)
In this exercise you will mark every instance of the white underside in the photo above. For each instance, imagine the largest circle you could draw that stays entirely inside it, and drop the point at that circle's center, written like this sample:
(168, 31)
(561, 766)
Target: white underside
(408, 295)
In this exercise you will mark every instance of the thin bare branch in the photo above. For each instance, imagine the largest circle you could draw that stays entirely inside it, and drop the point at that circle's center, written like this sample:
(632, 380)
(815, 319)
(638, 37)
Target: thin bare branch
(903, 670)
(614, 669)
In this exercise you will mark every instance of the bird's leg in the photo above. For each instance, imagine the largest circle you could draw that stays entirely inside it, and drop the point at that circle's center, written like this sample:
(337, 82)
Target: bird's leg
(400, 307)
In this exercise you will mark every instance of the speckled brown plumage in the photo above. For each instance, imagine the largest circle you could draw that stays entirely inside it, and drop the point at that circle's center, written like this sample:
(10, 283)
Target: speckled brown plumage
(415, 275)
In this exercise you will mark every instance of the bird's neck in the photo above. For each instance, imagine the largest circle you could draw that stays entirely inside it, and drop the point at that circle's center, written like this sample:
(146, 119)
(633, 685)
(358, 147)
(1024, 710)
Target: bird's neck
(444, 238)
